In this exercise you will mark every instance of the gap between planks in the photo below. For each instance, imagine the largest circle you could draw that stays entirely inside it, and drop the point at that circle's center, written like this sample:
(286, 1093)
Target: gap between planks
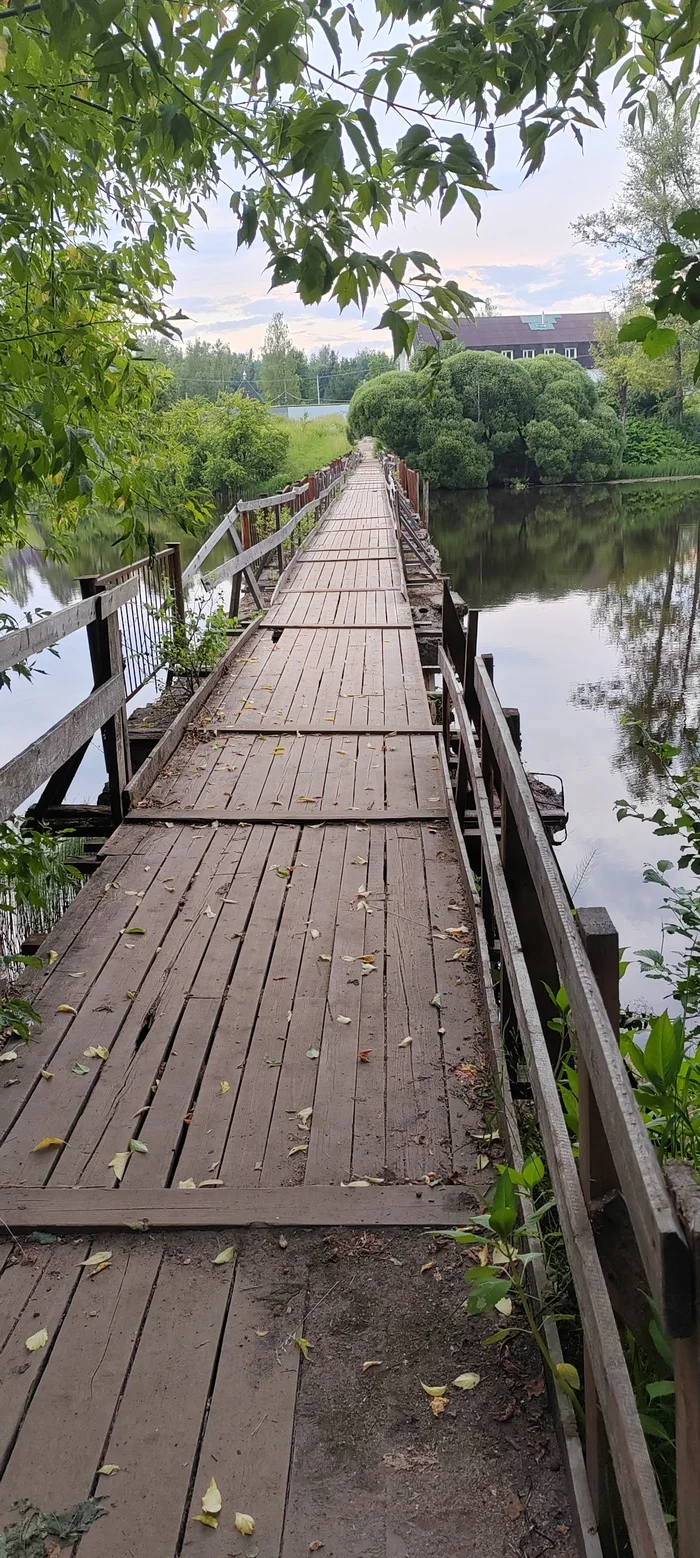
(248, 818)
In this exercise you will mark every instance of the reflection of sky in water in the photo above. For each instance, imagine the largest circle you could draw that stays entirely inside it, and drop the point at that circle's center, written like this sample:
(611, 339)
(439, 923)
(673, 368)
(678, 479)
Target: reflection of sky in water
(564, 648)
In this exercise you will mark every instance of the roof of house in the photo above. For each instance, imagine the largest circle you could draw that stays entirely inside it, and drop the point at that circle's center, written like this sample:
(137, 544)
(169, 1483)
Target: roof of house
(529, 329)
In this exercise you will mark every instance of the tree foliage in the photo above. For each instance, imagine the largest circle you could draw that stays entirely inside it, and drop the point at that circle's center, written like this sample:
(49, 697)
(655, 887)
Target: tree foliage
(119, 118)
(477, 417)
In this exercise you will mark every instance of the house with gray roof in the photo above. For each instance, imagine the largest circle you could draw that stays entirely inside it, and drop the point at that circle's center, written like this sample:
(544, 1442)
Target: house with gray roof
(533, 335)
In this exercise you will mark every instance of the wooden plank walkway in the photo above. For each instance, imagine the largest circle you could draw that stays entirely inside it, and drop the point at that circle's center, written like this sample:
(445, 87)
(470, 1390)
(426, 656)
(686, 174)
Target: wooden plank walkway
(242, 1004)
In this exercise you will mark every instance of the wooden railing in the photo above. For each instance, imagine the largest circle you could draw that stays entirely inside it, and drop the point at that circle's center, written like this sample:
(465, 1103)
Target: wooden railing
(156, 603)
(254, 530)
(125, 618)
(56, 756)
(629, 1231)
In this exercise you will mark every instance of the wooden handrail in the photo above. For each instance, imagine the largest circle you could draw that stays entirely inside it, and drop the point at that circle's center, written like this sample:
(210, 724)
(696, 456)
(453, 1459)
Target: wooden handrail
(30, 640)
(40, 760)
(659, 1235)
(634, 1472)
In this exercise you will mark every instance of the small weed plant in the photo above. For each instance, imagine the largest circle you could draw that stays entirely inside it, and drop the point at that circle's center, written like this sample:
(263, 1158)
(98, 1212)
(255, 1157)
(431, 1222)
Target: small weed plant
(191, 648)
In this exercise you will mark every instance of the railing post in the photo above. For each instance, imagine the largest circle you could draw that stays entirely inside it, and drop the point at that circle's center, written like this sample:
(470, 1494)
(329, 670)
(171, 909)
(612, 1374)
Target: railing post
(176, 584)
(598, 1178)
(106, 659)
(426, 503)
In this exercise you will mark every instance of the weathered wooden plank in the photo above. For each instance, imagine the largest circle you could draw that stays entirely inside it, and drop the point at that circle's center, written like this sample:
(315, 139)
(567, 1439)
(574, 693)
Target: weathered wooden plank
(197, 817)
(81, 1382)
(36, 636)
(23, 774)
(159, 1420)
(248, 1450)
(662, 1246)
(287, 1206)
(20, 1371)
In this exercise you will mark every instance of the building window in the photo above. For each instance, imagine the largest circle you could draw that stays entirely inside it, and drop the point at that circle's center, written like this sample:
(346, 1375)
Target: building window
(570, 351)
(507, 353)
(528, 351)
(550, 351)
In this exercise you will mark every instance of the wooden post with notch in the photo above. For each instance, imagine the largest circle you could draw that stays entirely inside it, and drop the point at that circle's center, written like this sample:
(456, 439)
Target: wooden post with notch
(176, 584)
(532, 930)
(106, 659)
(598, 1179)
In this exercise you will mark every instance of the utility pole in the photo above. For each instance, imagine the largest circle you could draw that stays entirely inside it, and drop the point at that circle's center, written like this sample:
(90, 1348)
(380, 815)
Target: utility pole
(318, 392)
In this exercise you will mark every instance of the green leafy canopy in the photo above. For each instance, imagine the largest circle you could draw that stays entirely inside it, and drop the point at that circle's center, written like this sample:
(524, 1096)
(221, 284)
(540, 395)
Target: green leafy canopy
(119, 118)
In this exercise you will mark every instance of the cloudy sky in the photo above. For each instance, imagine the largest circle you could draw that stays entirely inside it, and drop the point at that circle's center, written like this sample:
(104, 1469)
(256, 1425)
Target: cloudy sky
(523, 257)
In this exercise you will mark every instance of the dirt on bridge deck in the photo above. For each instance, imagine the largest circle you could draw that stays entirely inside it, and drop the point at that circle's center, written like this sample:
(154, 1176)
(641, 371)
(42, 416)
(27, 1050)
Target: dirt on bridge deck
(240, 1028)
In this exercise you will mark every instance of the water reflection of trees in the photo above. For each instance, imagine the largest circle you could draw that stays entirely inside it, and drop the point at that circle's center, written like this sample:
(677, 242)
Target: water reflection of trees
(636, 550)
(652, 622)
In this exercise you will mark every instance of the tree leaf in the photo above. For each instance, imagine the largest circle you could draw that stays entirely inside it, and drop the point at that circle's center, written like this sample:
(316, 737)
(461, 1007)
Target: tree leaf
(49, 1141)
(434, 1390)
(344, 1020)
(118, 1164)
(186, 1184)
(207, 1520)
(72, 1010)
(39, 1339)
(302, 1146)
(96, 1052)
(107, 1471)
(98, 1259)
(467, 1381)
(436, 1001)
(212, 1500)
(224, 1256)
(137, 1146)
(245, 1524)
(224, 1088)
(304, 1345)
(567, 1374)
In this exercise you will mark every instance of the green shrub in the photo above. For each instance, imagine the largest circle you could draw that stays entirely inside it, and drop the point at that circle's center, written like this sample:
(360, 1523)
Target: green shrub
(659, 447)
(474, 417)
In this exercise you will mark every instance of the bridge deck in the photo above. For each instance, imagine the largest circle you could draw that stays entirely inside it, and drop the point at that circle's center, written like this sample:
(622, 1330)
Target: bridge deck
(263, 987)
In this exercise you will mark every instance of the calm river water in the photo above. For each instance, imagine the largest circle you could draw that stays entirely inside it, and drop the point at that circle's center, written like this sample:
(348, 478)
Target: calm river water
(589, 603)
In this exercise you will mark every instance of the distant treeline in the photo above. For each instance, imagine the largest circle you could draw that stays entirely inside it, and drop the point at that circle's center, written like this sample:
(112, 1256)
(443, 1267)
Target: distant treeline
(208, 369)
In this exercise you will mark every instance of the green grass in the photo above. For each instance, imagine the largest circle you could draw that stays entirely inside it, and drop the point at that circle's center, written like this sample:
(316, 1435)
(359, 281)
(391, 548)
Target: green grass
(312, 444)
(634, 472)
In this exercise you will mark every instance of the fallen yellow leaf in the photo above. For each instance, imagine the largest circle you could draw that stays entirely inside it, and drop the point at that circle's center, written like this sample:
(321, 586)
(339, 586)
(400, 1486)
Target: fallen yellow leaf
(212, 1501)
(10, 1054)
(224, 1256)
(187, 1184)
(47, 1075)
(63, 1008)
(49, 1141)
(434, 1390)
(429, 1264)
(39, 1339)
(224, 1088)
(245, 1524)
(303, 1345)
(467, 1381)
(303, 1116)
(482, 1161)
(96, 1052)
(303, 1146)
(97, 1259)
(504, 1306)
(207, 1520)
(372, 1363)
(106, 1471)
(118, 1164)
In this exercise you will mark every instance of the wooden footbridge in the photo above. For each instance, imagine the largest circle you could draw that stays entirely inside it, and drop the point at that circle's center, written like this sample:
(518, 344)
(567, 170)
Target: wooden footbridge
(262, 1021)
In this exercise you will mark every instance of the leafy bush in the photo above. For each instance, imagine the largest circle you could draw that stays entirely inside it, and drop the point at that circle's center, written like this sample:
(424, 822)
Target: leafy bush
(32, 868)
(474, 417)
(659, 447)
(191, 649)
